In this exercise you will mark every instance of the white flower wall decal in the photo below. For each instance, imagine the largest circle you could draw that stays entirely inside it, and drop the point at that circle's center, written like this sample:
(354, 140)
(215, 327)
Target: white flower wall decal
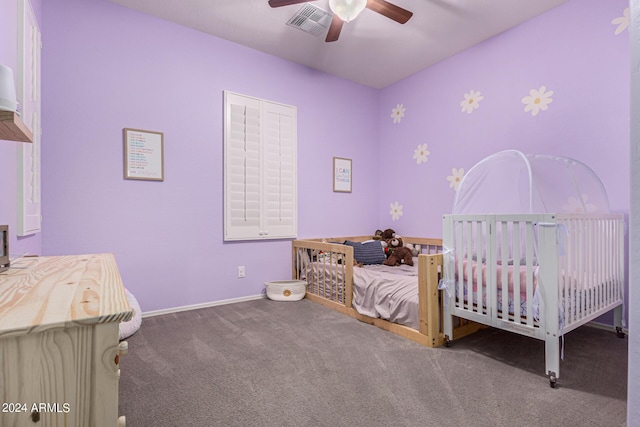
(622, 22)
(471, 101)
(397, 113)
(538, 100)
(396, 211)
(574, 205)
(455, 178)
(421, 154)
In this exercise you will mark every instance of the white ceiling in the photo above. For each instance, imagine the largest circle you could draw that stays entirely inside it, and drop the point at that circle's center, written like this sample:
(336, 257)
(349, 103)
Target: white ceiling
(372, 50)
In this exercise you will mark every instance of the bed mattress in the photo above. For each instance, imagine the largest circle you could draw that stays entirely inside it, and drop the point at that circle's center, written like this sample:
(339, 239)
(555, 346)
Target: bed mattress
(390, 293)
(379, 291)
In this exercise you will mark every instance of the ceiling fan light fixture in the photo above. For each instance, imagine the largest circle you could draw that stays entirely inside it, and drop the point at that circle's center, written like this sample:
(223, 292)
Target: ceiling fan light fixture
(347, 10)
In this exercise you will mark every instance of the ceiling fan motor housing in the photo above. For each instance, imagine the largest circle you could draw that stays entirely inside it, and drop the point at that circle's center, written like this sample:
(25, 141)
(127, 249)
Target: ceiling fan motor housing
(347, 10)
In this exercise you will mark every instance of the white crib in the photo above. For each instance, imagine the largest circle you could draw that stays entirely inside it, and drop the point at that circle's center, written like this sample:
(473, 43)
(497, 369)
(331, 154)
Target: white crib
(540, 275)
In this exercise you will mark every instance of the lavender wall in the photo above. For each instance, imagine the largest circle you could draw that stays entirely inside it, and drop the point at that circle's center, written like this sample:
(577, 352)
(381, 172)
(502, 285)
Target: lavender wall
(105, 68)
(572, 50)
(9, 149)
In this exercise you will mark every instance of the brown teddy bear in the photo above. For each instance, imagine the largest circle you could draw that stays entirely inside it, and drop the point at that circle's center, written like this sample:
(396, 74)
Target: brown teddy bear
(384, 235)
(398, 253)
(388, 234)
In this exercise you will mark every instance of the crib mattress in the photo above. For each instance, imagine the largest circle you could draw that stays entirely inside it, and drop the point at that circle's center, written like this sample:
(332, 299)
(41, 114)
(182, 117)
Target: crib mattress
(479, 271)
(572, 301)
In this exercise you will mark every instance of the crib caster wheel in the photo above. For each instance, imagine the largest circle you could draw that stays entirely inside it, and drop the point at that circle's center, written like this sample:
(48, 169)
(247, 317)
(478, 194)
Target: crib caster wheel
(552, 381)
(447, 342)
(619, 332)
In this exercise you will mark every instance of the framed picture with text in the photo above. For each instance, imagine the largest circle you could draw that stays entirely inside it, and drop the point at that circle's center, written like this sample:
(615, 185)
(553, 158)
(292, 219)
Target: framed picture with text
(342, 175)
(143, 155)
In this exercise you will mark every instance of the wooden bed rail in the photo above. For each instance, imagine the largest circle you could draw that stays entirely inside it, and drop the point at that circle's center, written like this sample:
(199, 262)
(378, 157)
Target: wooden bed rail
(430, 242)
(328, 269)
(329, 254)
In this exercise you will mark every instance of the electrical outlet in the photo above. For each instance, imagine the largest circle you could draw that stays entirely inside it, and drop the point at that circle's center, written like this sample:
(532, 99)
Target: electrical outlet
(240, 271)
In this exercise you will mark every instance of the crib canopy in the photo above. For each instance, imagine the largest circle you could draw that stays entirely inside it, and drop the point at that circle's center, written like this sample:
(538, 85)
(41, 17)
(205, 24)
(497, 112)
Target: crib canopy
(513, 182)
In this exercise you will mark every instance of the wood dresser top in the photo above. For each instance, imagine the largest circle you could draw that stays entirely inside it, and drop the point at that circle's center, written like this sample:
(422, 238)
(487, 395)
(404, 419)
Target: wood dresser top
(42, 293)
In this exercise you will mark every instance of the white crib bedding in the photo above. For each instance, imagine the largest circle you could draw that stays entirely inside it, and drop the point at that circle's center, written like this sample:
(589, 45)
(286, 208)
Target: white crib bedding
(379, 291)
(572, 300)
(511, 283)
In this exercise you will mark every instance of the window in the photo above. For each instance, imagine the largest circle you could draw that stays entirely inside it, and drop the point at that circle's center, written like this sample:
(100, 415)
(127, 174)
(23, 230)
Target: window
(260, 171)
(28, 92)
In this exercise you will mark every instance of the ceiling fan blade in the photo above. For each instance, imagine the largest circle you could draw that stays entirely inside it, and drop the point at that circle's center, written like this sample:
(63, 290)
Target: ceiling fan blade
(390, 10)
(334, 29)
(279, 3)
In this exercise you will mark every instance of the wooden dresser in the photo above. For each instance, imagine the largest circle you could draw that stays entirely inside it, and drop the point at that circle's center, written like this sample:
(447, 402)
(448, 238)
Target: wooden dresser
(59, 341)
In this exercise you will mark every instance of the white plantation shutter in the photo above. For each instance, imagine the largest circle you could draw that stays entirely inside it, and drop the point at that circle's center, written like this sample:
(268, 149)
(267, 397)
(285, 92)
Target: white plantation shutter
(279, 170)
(260, 169)
(28, 92)
(242, 163)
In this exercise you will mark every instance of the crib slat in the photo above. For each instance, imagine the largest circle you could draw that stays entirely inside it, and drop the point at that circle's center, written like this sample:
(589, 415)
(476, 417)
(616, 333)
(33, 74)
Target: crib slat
(611, 264)
(478, 249)
(620, 258)
(492, 256)
(581, 295)
(565, 275)
(582, 289)
(575, 300)
(573, 265)
(504, 250)
(589, 269)
(584, 250)
(597, 282)
(609, 267)
(613, 254)
(460, 257)
(529, 271)
(593, 268)
(469, 284)
(600, 257)
(517, 315)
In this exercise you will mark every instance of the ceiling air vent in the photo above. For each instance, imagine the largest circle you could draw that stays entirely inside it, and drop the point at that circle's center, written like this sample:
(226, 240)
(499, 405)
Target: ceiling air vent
(311, 19)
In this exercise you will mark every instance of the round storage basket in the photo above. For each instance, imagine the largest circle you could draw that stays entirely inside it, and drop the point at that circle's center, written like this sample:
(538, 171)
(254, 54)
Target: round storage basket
(286, 290)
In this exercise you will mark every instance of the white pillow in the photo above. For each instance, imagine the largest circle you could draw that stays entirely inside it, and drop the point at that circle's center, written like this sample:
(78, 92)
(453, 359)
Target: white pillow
(130, 327)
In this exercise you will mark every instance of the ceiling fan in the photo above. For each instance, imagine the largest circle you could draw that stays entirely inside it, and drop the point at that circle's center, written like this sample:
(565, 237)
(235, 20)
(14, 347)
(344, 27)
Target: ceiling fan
(347, 10)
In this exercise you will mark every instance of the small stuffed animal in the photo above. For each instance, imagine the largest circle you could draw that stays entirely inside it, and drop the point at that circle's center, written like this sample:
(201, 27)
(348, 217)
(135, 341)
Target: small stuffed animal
(384, 235)
(388, 234)
(398, 253)
(415, 249)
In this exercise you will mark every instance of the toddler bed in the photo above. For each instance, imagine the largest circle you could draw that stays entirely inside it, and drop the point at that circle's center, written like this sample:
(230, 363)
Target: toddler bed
(403, 299)
(537, 273)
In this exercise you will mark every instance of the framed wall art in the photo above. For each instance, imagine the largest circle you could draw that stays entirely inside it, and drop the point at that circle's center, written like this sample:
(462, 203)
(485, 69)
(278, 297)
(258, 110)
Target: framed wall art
(143, 154)
(342, 175)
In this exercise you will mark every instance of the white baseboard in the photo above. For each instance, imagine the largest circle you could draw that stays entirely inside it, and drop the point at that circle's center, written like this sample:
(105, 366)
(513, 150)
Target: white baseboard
(197, 306)
(606, 327)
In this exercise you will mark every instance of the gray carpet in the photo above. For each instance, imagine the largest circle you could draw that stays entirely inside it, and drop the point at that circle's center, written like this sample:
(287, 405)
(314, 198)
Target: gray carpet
(267, 363)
